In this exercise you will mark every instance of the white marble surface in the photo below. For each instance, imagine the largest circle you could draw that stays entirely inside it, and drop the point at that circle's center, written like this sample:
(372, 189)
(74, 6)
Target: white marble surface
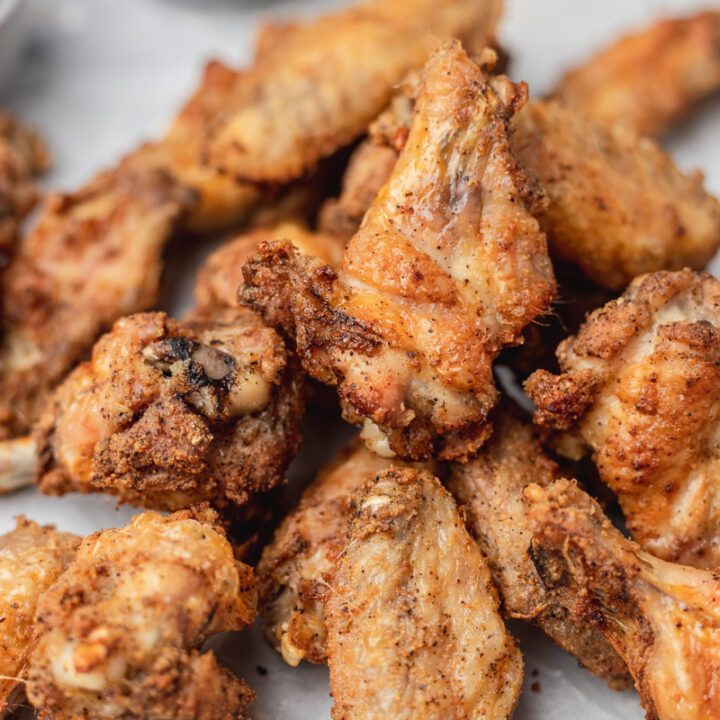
(99, 76)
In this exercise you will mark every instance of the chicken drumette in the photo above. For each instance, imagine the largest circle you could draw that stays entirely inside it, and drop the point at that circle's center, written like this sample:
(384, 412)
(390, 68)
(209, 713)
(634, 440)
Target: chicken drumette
(448, 267)
(123, 627)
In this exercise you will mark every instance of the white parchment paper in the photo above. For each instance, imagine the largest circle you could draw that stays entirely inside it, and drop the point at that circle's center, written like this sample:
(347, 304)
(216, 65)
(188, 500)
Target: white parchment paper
(99, 76)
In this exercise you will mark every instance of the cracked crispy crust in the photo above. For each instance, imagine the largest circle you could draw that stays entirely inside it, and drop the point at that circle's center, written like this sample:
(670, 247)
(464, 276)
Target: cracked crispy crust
(447, 268)
(167, 413)
(413, 623)
(662, 618)
(650, 79)
(123, 627)
(31, 559)
(332, 77)
(639, 385)
(489, 491)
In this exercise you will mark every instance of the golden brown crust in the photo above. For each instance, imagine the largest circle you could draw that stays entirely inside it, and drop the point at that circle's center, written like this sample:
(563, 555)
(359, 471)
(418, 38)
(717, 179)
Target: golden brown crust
(662, 618)
(332, 77)
(447, 268)
(650, 79)
(124, 625)
(166, 414)
(31, 559)
(489, 491)
(413, 623)
(640, 387)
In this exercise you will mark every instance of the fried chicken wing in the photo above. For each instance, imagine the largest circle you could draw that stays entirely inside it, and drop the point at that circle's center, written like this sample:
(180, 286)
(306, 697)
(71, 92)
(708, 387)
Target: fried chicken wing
(167, 414)
(663, 618)
(619, 207)
(332, 77)
(489, 491)
(31, 559)
(650, 79)
(640, 386)
(413, 623)
(123, 627)
(23, 156)
(447, 268)
(295, 570)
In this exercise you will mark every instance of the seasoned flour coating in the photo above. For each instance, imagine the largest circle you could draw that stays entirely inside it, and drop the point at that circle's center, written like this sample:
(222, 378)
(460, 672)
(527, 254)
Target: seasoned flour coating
(489, 490)
(166, 414)
(640, 385)
(331, 77)
(295, 571)
(618, 205)
(662, 618)
(649, 80)
(31, 559)
(447, 268)
(124, 626)
(413, 625)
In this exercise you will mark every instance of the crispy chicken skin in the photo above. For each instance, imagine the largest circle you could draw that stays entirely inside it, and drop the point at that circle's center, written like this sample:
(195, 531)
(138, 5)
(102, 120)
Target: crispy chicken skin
(413, 623)
(619, 207)
(489, 491)
(167, 414)
(295, 570)
(663, 618)
(23, 156)
(31, 559)
(124, 625)
(639, 385)
(332, 77)
(447, 268)
(650, 79)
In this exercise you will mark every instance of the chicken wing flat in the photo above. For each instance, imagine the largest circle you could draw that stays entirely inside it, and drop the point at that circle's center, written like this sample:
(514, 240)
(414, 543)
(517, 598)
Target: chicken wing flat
(295, 570)
(124, 625)
(619, 207)
(413, 623)
(332, 77)
(23, 156)
(167, 414)
(447, 268)
(639, 385)
(650, 79)
(31, 559)
(663, 618)
(489, 490)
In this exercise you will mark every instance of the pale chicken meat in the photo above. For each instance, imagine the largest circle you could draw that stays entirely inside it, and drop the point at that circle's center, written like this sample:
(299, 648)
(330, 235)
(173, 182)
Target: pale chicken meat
(661, 617)
(640, 387)
(489, 491)
(31, 559)
(448, 267)
(166, 413)
(413, 624)
(123, 626)
(295, 570)
(329, 78)
(650, 79)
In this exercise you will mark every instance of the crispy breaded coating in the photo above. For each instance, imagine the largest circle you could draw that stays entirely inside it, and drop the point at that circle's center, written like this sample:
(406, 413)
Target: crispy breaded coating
(619, 207)
(31, 559)
(23, 156)
(332, 77)
(447, 268)
(662, 618)
(650, 79)
(124, 626)
(489, 491)
(640, 386)
(220, 277)
(413, 623)
(167, 414)
(295, 570)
